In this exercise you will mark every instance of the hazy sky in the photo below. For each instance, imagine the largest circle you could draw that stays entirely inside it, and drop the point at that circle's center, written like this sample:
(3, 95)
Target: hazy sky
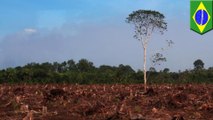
(59, 30)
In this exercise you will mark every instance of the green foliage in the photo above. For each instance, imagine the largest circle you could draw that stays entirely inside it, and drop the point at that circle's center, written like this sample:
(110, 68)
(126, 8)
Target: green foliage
(166, 70)
(84, 72)
(157, 58)
(146, 21)
(84, 65)
(198, 64)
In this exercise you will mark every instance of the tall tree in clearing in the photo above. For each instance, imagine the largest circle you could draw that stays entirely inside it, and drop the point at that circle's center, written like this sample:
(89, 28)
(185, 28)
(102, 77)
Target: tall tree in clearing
(145, 23)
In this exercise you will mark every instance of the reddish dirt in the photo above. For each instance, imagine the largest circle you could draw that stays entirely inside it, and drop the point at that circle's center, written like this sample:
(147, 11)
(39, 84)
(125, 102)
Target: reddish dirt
(106, 102)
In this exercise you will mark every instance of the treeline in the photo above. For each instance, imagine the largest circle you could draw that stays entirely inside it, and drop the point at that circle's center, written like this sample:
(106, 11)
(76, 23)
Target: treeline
(84, 72)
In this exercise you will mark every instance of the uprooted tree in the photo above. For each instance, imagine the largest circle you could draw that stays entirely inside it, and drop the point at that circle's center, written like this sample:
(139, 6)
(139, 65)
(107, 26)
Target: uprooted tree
(145, 23)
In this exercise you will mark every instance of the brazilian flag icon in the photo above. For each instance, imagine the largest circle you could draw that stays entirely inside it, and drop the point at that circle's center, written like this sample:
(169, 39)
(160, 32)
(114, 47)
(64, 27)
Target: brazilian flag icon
(201, 12)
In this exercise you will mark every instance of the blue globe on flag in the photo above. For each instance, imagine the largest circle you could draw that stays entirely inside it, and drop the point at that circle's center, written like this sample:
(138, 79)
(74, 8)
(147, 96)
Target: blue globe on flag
(201, 17)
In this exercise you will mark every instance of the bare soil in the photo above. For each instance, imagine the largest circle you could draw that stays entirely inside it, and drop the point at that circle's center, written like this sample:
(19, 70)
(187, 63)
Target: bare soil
(106, 102)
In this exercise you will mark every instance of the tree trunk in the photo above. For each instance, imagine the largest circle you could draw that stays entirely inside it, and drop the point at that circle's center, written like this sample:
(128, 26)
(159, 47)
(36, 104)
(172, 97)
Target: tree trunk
(144, 68)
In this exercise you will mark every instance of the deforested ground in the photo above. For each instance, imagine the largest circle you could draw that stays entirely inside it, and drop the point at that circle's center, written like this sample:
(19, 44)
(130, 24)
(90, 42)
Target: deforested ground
(106, 102)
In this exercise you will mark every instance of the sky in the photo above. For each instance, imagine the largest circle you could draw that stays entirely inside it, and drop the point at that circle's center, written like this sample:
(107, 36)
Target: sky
(59, 30)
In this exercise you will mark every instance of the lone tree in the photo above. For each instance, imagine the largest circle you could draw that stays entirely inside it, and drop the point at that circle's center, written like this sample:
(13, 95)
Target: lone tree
(198, 64)
(145, 23)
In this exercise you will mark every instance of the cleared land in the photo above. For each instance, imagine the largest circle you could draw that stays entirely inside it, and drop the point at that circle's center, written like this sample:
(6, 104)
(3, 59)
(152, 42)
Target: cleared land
(106, 102)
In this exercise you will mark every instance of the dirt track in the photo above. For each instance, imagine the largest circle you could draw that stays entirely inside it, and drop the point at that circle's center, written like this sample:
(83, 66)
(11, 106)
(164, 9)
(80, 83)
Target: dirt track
(106, 102)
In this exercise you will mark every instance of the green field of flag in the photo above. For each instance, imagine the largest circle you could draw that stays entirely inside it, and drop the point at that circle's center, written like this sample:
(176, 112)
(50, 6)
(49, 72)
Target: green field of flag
(201, 15)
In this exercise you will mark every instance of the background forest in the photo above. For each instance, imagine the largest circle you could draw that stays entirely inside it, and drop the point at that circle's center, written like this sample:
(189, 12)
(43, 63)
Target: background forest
(84, 72)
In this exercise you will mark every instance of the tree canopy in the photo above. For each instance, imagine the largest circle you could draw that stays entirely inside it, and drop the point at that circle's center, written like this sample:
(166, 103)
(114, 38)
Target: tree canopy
(145, 22)
(198, 64)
